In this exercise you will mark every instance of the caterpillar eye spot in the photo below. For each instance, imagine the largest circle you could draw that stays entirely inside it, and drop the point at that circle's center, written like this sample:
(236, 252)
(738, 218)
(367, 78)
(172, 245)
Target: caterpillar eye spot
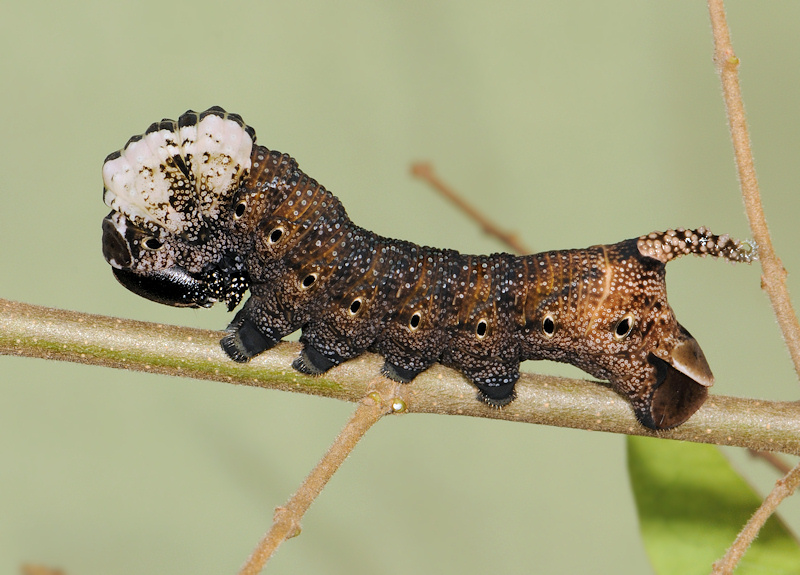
(240, 209)
(624, 327)
(416, 319)
(152, 244)
(548, 326)
(309, 280)
(355, 306)
(276, 235)
(481, 329)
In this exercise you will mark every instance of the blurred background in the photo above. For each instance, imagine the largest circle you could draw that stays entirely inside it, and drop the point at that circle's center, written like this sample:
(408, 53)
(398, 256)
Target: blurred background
(571, 123)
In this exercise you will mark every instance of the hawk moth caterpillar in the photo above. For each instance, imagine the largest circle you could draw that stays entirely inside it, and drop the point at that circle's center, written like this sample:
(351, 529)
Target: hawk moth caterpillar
(201, 214)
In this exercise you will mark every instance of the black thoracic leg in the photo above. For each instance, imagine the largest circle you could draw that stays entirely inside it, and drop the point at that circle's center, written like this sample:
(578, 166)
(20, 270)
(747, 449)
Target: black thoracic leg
(257, 327)
(244, 340)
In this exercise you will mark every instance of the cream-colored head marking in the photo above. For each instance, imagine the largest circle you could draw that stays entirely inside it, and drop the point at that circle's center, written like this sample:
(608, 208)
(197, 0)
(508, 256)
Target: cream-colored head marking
(179, 175)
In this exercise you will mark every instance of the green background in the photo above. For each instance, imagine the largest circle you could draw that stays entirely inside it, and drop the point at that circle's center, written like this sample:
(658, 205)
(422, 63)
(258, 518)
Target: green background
(572, 123)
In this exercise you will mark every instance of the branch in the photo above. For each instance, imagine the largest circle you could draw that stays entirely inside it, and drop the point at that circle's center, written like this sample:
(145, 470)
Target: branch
(784, 487)
(773, 279)
(426, 173)
(39, 570)
(774, 275)
(771, 459)
(35, 331)
(286, 523)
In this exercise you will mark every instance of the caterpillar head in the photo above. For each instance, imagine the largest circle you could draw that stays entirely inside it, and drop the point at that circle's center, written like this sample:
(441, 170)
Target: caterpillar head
(168, 236)
(667, 376)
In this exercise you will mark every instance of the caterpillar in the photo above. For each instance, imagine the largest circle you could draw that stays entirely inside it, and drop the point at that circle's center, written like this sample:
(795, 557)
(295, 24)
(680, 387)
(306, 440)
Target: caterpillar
(201, 214)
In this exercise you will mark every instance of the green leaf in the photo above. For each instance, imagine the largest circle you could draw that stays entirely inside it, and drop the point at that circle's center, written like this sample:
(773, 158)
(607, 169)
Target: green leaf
(691, 506)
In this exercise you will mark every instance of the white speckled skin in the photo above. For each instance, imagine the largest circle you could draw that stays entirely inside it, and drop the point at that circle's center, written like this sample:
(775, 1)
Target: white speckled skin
(178, 176)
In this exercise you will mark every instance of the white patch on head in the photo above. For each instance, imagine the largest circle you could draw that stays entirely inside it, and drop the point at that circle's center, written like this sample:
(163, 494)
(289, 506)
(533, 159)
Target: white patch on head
(121, 225)
(148, 183)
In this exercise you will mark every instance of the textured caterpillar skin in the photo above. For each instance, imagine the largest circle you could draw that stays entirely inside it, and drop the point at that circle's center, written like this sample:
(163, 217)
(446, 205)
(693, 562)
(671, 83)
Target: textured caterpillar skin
(200, 214)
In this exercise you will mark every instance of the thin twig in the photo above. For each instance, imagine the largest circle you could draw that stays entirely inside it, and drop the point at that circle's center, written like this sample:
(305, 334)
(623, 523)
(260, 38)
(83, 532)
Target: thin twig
(425, 171)
(35, 331)
(772, 459)
(774, 274)
(40, 570)
(783, 488)
(286, 522)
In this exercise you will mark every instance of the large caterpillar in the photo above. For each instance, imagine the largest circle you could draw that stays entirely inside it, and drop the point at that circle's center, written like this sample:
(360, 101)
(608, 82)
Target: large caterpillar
(200, 214)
